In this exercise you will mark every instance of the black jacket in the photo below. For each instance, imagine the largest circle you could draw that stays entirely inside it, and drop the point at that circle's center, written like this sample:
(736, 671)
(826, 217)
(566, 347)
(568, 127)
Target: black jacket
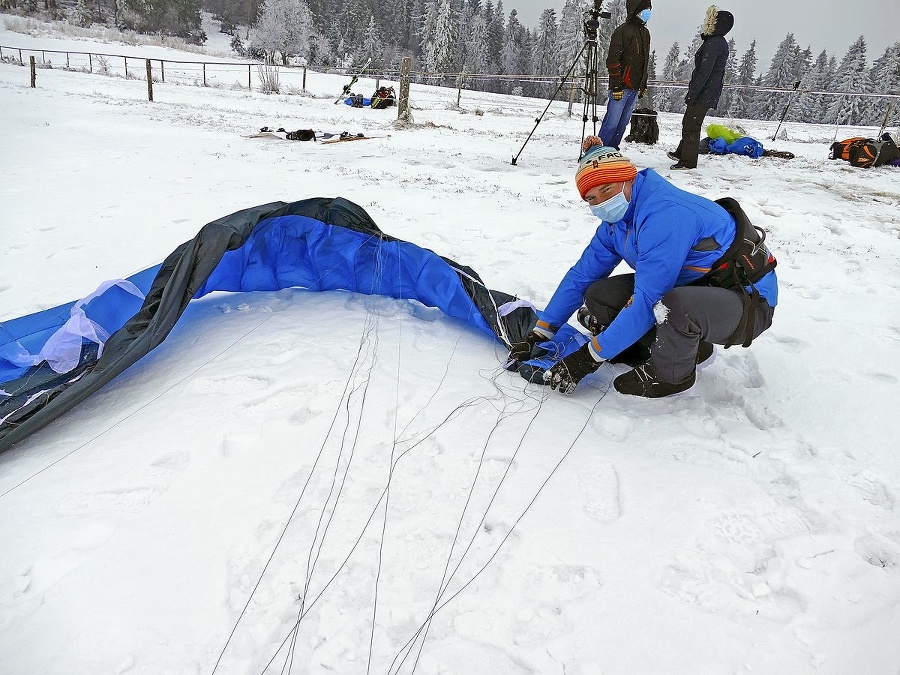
(629, 50)
(709, 65)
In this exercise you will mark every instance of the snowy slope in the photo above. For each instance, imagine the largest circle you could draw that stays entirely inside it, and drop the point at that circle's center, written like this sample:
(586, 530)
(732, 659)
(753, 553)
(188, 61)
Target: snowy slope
(182, 519)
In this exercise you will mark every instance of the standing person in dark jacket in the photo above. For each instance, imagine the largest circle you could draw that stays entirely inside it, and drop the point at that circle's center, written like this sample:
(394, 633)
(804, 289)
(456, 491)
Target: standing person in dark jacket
(705, 86)
(627, 62)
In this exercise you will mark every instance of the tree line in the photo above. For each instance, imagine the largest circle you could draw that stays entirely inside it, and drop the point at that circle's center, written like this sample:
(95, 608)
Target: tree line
(496, 51)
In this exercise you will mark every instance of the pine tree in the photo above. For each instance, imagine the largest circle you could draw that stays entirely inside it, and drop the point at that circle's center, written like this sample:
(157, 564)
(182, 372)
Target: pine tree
(546, 57)
(851, 77)
(809, 106)
(569, 36)
(782, 73)
(731, 76)
(885, 79)
(438, 49)
(742, 99)
(670, 94)
(514, 51)
(372, 45)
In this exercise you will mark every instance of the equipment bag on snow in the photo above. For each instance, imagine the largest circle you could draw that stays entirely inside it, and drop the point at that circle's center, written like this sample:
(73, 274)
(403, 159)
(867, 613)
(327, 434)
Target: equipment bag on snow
(384, 97)
(865, 152)
(873, 153)
(644, 128)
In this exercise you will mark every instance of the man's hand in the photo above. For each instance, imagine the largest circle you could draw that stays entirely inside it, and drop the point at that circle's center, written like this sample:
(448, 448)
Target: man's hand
(567, 373)
(617, 94)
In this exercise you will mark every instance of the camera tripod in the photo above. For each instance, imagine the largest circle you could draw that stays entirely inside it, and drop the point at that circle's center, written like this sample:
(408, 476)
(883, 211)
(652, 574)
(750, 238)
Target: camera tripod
(589, 86)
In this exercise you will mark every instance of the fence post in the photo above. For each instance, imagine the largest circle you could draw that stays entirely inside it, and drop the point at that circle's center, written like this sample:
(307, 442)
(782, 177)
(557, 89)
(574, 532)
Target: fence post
(90, 63)
(67, 59)
(43, 60)
(20, 58)
(162, 69)
(33, 72)
(459, 82)
(403, 114)
(126, 67)
(249, 81)
(204, 73)
(304, 78)
(149, 81)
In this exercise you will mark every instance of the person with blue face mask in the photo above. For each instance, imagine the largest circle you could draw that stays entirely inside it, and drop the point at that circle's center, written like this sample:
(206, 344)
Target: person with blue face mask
(702, 276)
(628, 63)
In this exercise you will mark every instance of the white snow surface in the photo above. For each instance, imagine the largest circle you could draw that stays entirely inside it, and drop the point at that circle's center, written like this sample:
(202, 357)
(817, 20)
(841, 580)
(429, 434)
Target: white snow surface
(240, 477)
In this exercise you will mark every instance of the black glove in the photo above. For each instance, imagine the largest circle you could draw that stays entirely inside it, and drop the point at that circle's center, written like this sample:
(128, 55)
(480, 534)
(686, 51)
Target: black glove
(617, 94)
(527, 347)
(568, 372)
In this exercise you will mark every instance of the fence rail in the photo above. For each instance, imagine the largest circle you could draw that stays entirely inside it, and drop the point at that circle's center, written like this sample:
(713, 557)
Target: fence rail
(241, 74)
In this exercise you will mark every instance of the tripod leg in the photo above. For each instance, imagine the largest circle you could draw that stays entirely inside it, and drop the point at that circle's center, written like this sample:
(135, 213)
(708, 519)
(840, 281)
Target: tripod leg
(590, 91)
(550, 102)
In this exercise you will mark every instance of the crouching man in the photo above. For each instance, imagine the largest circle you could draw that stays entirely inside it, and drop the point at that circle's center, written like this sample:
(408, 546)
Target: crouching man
(702, 276)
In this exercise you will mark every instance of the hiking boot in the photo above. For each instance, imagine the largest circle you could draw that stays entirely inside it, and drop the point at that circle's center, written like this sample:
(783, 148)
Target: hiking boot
(674, 157)
(633, 356)
(643, 381)
(586, 319)
(678, 166)
(704, 351)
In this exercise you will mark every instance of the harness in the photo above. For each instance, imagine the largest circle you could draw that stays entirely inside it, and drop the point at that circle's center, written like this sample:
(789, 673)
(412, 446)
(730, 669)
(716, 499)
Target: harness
(746, 261)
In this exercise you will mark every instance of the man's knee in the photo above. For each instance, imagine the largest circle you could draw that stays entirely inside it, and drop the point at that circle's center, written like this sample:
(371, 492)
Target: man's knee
(673, 310)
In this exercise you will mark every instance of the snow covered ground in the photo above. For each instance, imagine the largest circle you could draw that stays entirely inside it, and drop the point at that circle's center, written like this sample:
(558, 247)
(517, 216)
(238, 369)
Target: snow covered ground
(235, 480)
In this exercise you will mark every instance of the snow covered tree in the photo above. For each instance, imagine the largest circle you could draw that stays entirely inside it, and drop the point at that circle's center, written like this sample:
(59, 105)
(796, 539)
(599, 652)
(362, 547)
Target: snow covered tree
(666, 99)
(742, 99)
(569, 35)
(514, 51)
(372, 47)
(810, 106)
(83, 14)
(731, 76)
(884, 77)
(437, 49)
(782, 73)
(851, 77)
(545, 59)
(284, 27)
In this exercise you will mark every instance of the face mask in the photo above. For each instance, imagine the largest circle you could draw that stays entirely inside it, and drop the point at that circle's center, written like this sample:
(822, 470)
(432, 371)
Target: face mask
(612, 210)
(644, 15)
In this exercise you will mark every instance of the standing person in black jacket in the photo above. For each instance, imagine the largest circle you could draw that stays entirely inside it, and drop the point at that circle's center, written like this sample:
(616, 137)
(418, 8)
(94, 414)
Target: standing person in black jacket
(627, 62)
(705, 86)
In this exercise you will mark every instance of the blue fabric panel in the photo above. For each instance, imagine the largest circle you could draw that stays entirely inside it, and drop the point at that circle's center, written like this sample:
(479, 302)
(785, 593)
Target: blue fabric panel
(111, 310)
(298, 251)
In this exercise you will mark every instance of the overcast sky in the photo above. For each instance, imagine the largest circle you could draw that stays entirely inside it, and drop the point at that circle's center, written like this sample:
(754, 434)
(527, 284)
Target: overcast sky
(832, 25)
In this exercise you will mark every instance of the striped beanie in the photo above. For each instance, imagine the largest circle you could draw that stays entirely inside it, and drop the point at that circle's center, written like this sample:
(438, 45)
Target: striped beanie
(602, 164)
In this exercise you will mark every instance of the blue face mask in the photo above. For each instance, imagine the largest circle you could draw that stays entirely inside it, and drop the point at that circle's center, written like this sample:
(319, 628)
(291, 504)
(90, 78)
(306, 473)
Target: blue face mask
(612, 210)
(644, 15)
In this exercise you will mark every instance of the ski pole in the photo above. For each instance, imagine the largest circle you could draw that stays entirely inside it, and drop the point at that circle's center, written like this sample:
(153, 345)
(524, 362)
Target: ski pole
(347, 88)
(885, 120)
(786, 108)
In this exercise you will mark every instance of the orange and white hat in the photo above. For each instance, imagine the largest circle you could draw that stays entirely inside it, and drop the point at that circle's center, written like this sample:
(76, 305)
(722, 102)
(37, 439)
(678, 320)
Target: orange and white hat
(600, 165)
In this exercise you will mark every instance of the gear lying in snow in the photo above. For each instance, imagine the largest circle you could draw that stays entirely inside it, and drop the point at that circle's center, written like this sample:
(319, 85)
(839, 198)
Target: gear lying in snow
(52, 360)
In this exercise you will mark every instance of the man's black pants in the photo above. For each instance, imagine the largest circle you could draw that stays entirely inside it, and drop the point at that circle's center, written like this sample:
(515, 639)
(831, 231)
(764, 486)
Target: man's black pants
(692, 313)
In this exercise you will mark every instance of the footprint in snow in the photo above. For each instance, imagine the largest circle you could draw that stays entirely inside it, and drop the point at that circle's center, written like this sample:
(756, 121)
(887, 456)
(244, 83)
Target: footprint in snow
(879, 551)
(787, 343)
(598, 484)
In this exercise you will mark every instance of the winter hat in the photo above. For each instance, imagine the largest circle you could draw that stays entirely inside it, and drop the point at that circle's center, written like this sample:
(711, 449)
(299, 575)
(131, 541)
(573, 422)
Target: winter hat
(602, 164)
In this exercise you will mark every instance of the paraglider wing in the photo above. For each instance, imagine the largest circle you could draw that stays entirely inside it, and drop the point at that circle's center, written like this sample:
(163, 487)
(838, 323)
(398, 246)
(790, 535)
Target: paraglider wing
(320, 244)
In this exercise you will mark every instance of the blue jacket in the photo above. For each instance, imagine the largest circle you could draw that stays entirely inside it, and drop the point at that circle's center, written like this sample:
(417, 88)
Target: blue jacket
(669, 237)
